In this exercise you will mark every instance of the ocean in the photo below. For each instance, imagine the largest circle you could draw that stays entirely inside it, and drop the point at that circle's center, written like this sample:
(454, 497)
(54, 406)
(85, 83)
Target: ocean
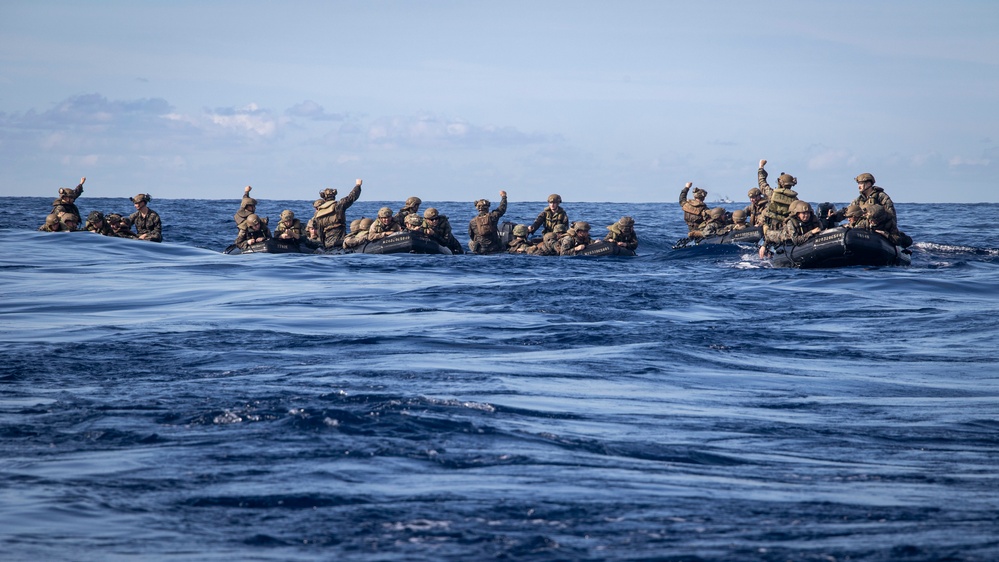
(169, 402)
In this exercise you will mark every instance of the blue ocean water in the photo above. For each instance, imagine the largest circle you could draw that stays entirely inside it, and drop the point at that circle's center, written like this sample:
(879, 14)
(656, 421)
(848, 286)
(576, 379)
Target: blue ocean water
(169, 402)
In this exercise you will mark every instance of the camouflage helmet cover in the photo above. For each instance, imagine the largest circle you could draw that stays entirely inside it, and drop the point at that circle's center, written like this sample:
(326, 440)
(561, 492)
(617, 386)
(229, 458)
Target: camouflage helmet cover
(355, 225)
(626, 221)
(52, 219)
(787, 180)
(95, 216)
(327, 194)
(755, 192)
(430, 213)
(482, 203)
(555, 198)
(700, 193)
(366, 223)
(247, 201)
(581, 226)
(252, 219)
(287, 215)
(717, 213)
(413, 219)
(854, 211)
(384, 212)
(143, 197)
(520, 230)
(559, 228)
(413, 202)
(799, 206)
(739, 215)
(864, 177)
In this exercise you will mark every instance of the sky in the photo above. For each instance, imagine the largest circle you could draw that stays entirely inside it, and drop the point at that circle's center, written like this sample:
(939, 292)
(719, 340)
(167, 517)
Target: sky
(455, 100)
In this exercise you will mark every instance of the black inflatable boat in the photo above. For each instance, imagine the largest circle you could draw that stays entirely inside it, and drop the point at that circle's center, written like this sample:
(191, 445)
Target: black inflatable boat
(842, 247)
(747, 236)
(401, 243)
(270, 246)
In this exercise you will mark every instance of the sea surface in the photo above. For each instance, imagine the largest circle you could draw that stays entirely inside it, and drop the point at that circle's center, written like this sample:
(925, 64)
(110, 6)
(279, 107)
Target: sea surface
(169, 402)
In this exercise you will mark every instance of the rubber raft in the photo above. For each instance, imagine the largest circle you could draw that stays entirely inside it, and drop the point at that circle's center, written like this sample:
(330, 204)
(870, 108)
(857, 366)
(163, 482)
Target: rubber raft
(401, 243)
(842, 247)
(746, 236)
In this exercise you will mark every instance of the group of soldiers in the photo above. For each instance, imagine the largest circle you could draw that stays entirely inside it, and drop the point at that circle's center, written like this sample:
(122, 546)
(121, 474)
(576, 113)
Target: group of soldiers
(65, 217)
(785, 219)
(326, 230)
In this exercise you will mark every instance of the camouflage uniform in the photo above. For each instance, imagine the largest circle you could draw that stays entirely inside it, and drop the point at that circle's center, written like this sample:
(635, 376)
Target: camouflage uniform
(483, 233)
(330, 220)
(757, 210)
(547, 246)
(623, 231)
(694, 210)
(519, 244)
(441, 227)
(97, 224)
(716, 222)
(358, 233)
(778, 207)
(121, 227)
(379, 229)
(62, 206)
(568, 244)
(253, 228)
(289, 224)
(244, 210)
(738, 221)
(52, 224)
(795, 230)
(548, 218)
(148, 223)
(412, 206)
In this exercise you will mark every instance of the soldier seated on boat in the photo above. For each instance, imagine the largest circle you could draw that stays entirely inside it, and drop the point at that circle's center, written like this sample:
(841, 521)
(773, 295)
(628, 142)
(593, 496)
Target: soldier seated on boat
(694, 210)
(854, 214)
(96, 223)
(738, 220)
(757, 208)
(440, 227)
(289, 229)
(552, 214)
(358, 232)
(66, 202)
(384, 225)
(880, 221)
(802, 225)
(145, 220)
(870, 194)
(778, 206)
(330, 217)
(253, 231)
(623, 234)
(247, 207)
(121, 227)
(577, 240)
(716, 223)
(411, 207)
(547, 247)
(519, 244)
(414, 223)
(52, 224)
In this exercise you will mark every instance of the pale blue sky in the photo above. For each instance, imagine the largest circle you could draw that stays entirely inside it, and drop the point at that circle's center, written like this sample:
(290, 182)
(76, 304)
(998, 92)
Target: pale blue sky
(599, 101)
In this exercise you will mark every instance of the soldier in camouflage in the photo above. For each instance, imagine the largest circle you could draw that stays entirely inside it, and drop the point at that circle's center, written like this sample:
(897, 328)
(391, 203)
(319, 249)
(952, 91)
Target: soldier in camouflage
(623, 234)
(552, 215)
(145, 220)
(330, 217)
(694, 210)
(483, 230)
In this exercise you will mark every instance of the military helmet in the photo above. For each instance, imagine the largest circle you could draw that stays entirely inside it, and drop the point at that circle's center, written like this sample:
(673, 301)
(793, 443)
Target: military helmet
(864, 177)
(327, 194)
(384, 212)
(318, 203)
(95, 216)
(520, 230)
(739, 216)
(430, 213)
(700, 193)
(413, 219)
(559, 228)
(247, 201)
(626, 221)
(355, 225)
(854, 210)
(549, 236)
(366, 223)
(482, 204)
(581, 226)
(799, 206)
(413, 202)
(67, 192)
(52, 219)
(876, 214)
(755, 192)
(555, 198)
(787, 180)
(252, 219)
(114, 218)
(718, 213)
(69, 217)
(287, 215)
(143, 197)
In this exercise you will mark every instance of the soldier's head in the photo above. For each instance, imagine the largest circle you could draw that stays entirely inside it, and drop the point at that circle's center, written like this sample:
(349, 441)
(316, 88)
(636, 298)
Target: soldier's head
(560, 228)
(626, 223)
(755, 194)
(482, 205)
(582, 229)
(52, 221)
(854, 213)
(366, 223)
(717, 214)
(114, 220)
(865, 183)
(554, 200)
(248, 203)
(67, 195)
(287, 216)
(787, 181)
(328, 194)
(739, 217)
(413, 221)
(253, 221)
(140, 200)
(355, 225)
(700, 194)
(431, 214)
(801, 208)
(384, 215)
(317, 203)
(413, 203)
(69, 220)
(95, 217)
(520, 231)
(876, 216)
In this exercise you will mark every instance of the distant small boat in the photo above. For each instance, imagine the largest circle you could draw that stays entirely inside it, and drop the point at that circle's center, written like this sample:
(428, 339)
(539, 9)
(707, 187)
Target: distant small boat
(723, 199)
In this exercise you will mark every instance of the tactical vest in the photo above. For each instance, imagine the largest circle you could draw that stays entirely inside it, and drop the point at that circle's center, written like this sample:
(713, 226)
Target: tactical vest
(554, 218)
(779, 207)
(693, 213)
(483, 226)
